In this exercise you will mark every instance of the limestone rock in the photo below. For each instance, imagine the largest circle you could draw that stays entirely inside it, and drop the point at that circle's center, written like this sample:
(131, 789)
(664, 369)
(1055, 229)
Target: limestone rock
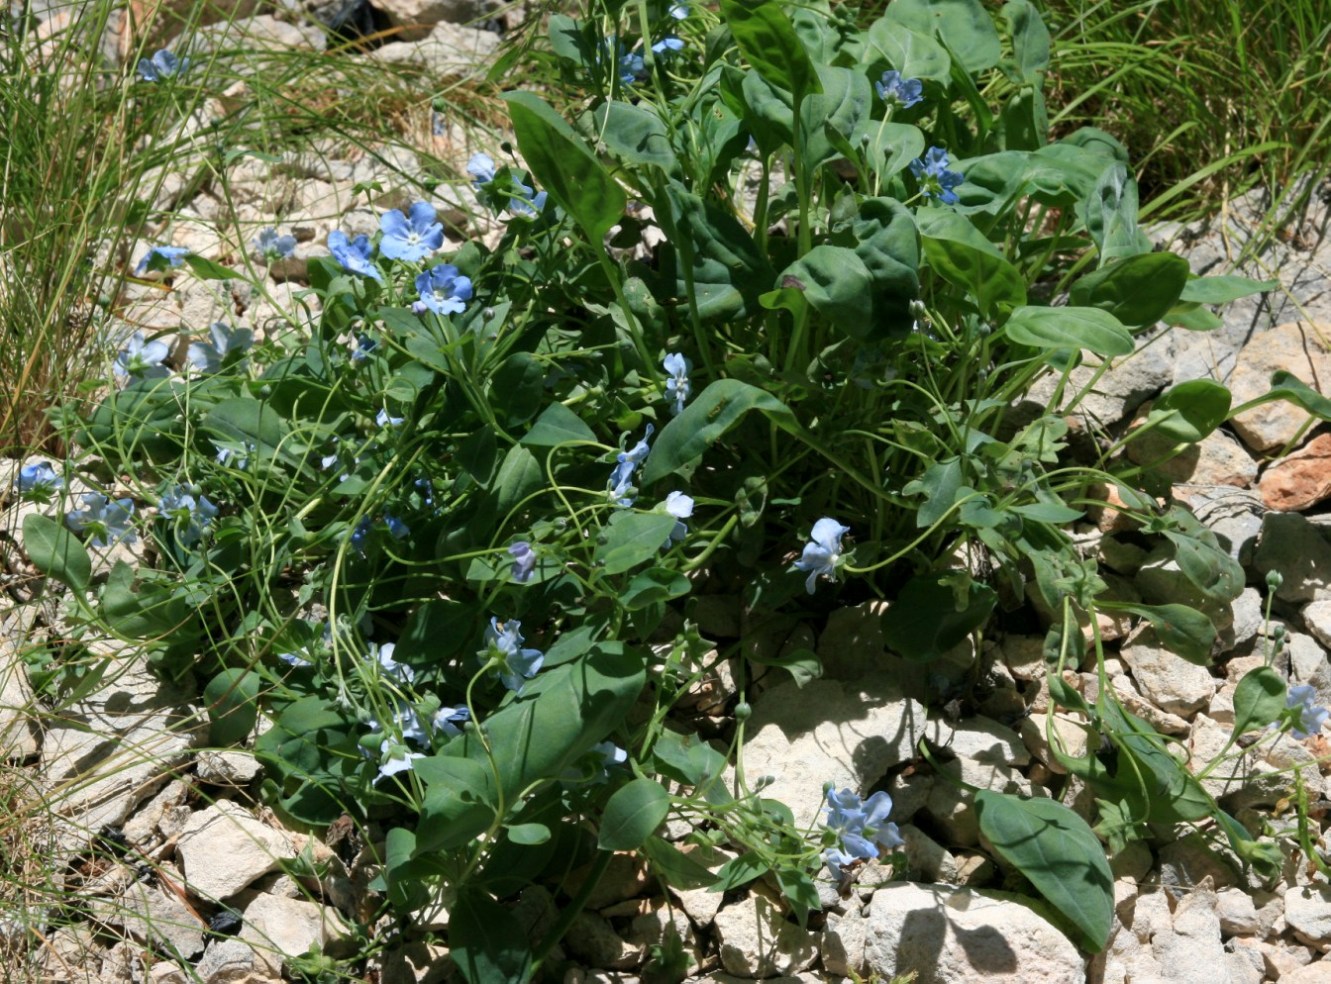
(224, 848)
(446, 50)
(851, 645)
(1308, 914)
(228, 768)
(593, 940)
(829, 731)
(153, 916)
(280, 928)
(1300, 349)
(1171, 683)
(955, 935)
(415, 18)
(757, 940)
(1192, 950)
(665, 926)
(843, 943)
(1296, 549)
(1217, 459)
(1301, 480)
(1313, 973)
(229, 962)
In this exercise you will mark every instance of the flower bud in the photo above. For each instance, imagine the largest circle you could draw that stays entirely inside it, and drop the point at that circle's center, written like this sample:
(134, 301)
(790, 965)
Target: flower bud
(743, 710)
(1274, 579)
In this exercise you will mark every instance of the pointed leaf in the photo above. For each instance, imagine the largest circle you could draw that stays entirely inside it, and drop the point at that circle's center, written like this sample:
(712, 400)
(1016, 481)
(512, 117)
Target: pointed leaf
(632, 815)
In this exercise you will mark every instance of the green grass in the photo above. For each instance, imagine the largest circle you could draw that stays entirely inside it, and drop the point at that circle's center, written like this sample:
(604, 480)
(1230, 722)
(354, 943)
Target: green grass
(1212, 99)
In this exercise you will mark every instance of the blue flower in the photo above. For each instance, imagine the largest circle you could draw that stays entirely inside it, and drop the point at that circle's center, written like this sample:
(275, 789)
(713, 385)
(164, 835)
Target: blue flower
(353, 254)
(905, 93)
(860, 827)
(162, 66)
(504, 649)
(442, 290)
(410, 240)
(679, 11)
(525, 203)
(161, 258)
(677, 386)
(524, 561)
(191, 516)
(449, 720)
(383, 655)
(621, 479)
(667, 44)
(481, 167)
(823, 552)
(39, 477)
(365, 346)
(397, 529)
(271, 246)
(108, 522)
(936, 181)
(680, 506)
(141, 358)
(1311, 717)
(294, 660)
(631, 67)
(209, 356)
(360, 536)
(382, 418)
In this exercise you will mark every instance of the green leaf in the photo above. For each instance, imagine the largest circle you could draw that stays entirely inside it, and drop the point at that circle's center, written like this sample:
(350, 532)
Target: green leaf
(1287, 386)
(961, 254)
(799, 890)
(677, 869)
(654, 585)
(140, 609)
(842, 106)
(57, 552)
(1137, 290)
(519, 476)
(1206, 564)
(1182, 630)
(232, 700)
(1259, 699)
(558, 425)
(739, 871)
(1110, 214)
(1190, 411)
(562, 164)
(518, 387)
(728, 270)
(802, 664)
(914, 55)
(833, 281)
(486, 941)
(635, 134)
(687, 758)
(939, 485)
(927, 618)
(705, 420)
(631, 538)
(768, 40)
(1030, 40)
(964, 27)
(208, 270)
(632, 815)
(248, 423)
(459, 801)
(1222, 290)
(1069, 328)
(528, 834)
(1060, 855)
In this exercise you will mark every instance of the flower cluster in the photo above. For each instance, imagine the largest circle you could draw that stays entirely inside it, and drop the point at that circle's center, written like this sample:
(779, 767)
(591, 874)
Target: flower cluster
(501, 189)
(270, 246)
(899, 92)
(524, 561)
(159, 259)
(39, 478)
(822, 553)
(677, 384)
(860, 827)
(936, 181)
(621, 478)
(191, 514)
(107, 522)
(224, 341)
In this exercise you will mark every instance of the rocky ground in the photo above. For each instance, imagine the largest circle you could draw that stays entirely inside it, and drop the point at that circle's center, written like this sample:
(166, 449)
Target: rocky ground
(177, 873)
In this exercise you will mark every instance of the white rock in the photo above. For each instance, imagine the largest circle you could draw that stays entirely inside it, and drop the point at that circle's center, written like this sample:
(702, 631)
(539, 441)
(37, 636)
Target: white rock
(756, 939)
(280, 928)
(447, 50)
(955, 935)
(594, 941)
(979, 739)
(224, 848)
(1317, 617)
(416, 17)
(1308, 914)
(1069, 730)
(106, 754)
(1313, 973)
(155, 916)
(953, 809)
(229, 962)
(1192, 950)
(227, 768)
(846, 734)
(665, 926)
(843, 943)
(17, 740)
(851, 645)
(1167, 681)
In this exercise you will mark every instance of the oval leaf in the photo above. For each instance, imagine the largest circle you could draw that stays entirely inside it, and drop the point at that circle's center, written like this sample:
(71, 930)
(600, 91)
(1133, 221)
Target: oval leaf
(632, 814)
(1193, 410)
(1259, 699)
(1069, 328)
(56, 551)
(1060, 855)
(768, 40)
